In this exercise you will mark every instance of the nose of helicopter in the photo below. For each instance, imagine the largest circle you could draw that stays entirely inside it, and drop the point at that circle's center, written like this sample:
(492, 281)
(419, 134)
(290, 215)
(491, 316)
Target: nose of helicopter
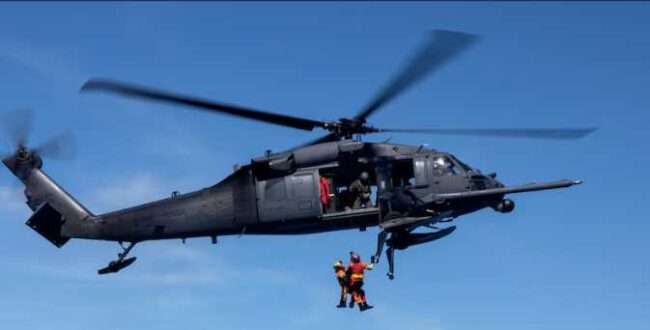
(489, 181)
(482, 182)
(493, 182)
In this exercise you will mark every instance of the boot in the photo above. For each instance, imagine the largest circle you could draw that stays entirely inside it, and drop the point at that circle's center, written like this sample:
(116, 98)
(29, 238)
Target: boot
(364, 307)
(341, 304)
(351, 305)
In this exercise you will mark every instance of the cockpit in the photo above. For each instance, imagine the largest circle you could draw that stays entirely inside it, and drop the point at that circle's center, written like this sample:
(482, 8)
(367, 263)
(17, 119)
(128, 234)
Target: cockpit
(442, 165)
(446, 164)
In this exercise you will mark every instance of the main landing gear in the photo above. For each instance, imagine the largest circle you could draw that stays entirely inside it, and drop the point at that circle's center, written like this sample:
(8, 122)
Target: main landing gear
(401, 240)
(121, 262)
(390, 253)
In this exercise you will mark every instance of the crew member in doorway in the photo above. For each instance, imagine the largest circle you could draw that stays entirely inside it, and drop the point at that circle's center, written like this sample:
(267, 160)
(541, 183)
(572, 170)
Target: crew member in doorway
(360, 191)
(324, 193)
(344, 281)
(356, 270)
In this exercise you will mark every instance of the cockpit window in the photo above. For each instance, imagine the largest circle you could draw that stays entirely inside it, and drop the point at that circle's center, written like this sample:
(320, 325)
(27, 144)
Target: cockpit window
(443, 166)
(464, 166)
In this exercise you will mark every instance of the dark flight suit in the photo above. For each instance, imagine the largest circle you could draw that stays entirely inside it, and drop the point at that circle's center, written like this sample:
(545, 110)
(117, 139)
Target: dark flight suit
(360, 191)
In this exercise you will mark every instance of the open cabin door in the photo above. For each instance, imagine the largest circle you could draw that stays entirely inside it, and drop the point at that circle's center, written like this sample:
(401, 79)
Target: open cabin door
(291, 197)
(341, 211)
(402, 182)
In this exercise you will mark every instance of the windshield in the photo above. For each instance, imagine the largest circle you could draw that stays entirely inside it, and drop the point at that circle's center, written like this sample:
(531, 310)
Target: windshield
(464, 166)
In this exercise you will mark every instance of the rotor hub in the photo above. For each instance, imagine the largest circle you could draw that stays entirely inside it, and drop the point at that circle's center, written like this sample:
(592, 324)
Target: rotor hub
(22, 153)
(346, 128)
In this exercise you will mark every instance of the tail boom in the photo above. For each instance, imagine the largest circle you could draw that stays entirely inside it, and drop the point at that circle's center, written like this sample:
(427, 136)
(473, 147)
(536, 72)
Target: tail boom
(57, 215)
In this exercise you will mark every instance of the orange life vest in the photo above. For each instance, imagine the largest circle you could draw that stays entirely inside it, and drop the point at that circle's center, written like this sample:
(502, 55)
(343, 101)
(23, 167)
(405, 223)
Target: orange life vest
(356, 270)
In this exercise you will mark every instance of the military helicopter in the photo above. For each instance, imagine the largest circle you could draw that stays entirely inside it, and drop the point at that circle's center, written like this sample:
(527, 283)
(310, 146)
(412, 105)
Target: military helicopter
(280, 193)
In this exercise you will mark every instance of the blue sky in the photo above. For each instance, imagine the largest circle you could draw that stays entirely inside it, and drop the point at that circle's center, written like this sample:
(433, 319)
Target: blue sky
(568, 259)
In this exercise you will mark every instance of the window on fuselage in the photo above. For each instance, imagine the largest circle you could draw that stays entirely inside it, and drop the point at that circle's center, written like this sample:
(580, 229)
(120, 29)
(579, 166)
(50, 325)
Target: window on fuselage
(465, 167)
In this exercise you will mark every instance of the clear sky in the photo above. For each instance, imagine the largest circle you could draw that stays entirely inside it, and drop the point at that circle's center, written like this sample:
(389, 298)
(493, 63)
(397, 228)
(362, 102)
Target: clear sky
(567, 259)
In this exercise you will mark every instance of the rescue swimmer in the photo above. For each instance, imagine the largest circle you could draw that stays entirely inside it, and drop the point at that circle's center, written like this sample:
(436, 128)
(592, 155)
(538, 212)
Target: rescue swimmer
(356, 270)
(343, 279)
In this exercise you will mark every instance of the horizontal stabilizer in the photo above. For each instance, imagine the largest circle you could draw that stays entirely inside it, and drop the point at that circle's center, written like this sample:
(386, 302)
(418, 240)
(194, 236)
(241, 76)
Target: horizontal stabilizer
(47, 221)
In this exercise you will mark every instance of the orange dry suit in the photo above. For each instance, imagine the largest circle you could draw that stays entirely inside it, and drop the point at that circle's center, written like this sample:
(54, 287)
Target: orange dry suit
(356, 270)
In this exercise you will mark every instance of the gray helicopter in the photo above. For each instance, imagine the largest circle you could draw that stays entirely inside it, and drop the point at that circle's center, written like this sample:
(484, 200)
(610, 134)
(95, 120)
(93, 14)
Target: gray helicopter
(303, 190)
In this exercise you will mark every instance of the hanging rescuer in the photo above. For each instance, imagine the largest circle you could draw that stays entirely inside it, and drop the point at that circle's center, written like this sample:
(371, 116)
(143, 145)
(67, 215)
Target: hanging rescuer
(343, 279)
(356, 270)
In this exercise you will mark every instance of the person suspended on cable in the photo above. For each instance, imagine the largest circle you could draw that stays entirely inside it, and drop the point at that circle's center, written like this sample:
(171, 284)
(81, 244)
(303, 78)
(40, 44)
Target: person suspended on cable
(356, 269)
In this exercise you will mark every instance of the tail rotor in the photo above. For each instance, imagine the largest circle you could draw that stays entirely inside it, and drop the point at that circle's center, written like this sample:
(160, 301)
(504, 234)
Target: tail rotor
(16, 127)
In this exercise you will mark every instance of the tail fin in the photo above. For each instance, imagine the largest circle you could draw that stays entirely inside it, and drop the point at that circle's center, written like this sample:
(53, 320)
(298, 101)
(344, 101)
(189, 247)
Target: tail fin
(57, 215)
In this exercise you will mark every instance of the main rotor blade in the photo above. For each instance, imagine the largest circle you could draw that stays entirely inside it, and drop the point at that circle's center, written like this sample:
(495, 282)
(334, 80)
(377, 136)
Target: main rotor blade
(131, 90)
(440, 47)
(536, 133)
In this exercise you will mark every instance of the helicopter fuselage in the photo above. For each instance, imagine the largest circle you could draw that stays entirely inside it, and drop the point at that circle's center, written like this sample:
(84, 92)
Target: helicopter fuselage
(280, 194)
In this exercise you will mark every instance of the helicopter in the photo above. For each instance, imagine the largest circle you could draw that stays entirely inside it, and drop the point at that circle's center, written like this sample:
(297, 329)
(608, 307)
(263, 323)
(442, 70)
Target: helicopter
(281, 193)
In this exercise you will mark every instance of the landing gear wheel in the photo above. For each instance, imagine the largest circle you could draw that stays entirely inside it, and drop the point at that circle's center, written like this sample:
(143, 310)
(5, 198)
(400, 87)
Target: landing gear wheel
(121, 262)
